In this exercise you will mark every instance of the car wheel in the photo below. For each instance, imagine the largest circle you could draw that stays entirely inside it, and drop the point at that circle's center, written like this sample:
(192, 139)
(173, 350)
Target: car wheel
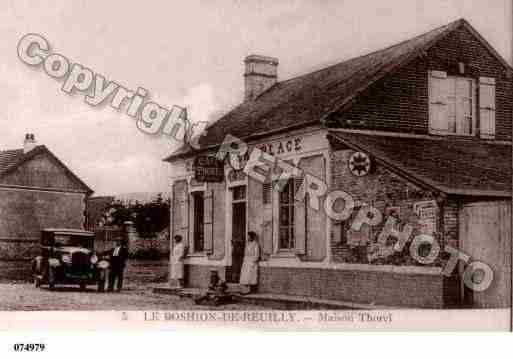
(83, 287)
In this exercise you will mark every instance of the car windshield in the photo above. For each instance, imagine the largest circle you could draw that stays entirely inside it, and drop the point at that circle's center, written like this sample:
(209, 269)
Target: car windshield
(65, 240)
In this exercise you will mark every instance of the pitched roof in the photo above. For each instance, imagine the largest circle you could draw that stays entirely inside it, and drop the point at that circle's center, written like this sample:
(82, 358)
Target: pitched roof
(12, 159)
(309, 99)
(450, 165)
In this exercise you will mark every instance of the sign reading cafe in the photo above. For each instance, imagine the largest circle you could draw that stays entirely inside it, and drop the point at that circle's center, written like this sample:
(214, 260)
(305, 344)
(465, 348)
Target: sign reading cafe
(208, 169)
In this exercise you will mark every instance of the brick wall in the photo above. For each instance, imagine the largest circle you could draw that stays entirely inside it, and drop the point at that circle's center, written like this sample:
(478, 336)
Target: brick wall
(399, 101)
(394, 289)
(359, 286)
(451, 210)
(382, 189)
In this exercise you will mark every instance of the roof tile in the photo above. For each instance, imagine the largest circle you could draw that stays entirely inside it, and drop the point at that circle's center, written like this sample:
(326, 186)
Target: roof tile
(312, 96)
(454, 166)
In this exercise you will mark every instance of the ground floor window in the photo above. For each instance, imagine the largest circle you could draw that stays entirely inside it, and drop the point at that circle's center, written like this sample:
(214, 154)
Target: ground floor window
(286, 215)
(199, 216)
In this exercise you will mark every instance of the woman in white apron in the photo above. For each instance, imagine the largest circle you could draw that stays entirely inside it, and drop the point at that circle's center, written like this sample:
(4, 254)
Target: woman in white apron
(249, 271)
(177, 259)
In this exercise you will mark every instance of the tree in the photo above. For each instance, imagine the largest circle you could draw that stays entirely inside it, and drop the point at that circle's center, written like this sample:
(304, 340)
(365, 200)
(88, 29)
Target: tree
(148, 218)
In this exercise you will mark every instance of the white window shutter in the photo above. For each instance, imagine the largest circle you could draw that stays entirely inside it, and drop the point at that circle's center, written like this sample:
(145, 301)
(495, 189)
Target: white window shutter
(208, 221)
(310, 224)
(487, 107)
(300, 217)
(181, 215)
(438, 91)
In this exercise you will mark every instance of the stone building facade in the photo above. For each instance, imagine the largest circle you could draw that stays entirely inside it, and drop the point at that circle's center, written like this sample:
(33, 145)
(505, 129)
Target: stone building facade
(419, 131)
(36, 191)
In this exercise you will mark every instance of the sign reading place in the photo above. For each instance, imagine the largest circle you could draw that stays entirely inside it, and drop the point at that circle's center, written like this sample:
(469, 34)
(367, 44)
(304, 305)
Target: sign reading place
(208, 169)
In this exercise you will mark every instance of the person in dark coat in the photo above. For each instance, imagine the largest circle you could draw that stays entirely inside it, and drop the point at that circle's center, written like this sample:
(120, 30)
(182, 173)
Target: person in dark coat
(118, 257)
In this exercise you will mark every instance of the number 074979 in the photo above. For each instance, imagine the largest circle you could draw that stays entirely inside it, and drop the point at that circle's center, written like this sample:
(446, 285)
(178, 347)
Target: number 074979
(29, 347)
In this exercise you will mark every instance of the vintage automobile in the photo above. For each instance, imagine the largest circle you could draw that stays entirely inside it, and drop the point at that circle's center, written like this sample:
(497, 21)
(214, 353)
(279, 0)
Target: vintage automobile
(68, 257)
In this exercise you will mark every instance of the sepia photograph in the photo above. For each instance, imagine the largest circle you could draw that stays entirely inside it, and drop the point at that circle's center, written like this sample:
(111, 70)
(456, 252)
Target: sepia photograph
(258, 165)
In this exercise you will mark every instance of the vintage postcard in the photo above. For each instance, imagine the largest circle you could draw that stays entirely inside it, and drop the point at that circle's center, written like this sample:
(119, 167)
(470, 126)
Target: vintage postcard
(290, 165)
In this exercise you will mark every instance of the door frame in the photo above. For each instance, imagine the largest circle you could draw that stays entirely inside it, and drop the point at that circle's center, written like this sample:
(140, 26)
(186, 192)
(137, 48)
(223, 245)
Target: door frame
(241, 204)
(229, 216)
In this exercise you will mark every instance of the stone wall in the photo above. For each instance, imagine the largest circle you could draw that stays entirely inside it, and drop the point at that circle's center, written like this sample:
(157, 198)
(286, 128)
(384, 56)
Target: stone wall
(159, 244)
(24, 213)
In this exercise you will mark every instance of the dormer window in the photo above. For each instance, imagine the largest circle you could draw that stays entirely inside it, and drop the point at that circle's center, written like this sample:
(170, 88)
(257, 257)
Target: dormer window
(461, 106)
(454, 108)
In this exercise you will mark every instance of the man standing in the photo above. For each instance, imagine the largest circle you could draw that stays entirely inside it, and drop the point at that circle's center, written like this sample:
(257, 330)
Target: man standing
(249, 272)
(177, 259)
(118, 260)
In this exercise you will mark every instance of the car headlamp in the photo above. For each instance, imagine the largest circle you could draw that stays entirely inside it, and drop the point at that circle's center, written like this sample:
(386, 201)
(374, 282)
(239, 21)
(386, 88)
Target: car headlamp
(94, 259)
(54, 262)
(66, 258)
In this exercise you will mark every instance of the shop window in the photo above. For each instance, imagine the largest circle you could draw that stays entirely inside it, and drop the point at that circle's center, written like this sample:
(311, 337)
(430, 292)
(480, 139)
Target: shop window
(199, 215)
(286, 215)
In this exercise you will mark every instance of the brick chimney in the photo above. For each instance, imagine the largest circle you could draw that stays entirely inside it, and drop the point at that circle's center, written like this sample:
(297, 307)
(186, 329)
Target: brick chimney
(29, 143)
(261, 73)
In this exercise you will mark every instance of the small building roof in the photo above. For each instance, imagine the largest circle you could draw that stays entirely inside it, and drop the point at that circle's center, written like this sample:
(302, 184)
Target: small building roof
(449, 165)
(10, 160)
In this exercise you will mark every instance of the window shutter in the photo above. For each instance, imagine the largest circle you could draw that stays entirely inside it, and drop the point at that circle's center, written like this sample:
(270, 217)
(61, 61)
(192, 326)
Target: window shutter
(311, 224)
(181, 208)
(267, 220)
(487, 107)
(438, 91)
(208, 221)
(300, 212)
(266, 193)
(189, 218)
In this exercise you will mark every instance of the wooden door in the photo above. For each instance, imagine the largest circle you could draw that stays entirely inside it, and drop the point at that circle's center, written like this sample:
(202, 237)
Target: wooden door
(238, 239)
(485, 235)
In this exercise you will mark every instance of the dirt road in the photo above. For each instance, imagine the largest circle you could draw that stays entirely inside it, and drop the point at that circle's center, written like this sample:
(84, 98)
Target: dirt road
(24, 296)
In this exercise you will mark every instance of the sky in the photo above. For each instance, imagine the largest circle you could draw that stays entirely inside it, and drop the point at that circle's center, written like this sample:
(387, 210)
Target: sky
(188, 53)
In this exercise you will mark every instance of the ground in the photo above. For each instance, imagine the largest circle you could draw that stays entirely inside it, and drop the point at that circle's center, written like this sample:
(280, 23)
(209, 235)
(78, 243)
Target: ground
(24, 296)
(18, 293)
